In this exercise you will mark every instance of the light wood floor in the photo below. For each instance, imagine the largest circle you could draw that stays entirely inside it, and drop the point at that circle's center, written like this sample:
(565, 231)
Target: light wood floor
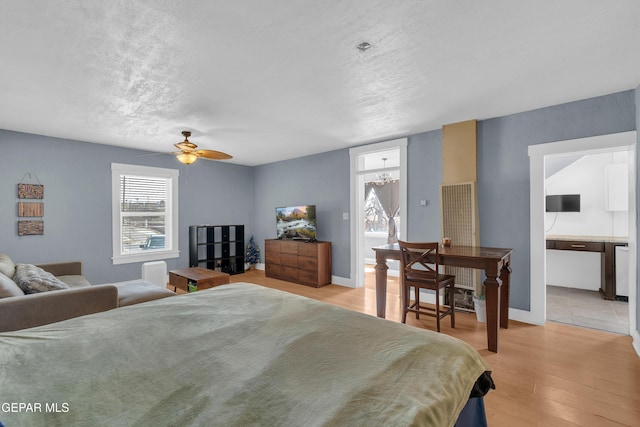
(552, 375)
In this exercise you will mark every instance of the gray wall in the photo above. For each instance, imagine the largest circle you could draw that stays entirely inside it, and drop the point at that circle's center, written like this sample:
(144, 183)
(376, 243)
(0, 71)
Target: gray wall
(503, 173)
(424, 172)
(321, 180)
(77, 202)
(503, 169)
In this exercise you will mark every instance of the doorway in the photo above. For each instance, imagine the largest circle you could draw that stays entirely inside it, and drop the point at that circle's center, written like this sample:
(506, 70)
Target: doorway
(586, 196)
(537, 153)
(378, 200)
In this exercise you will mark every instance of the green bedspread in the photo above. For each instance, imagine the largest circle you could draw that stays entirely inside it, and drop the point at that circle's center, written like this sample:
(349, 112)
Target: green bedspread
(236, 355)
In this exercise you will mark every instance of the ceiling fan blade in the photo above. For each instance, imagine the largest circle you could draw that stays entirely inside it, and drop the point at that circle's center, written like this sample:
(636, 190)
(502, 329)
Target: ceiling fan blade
(185, 146)
(212, 155)
(153, 154)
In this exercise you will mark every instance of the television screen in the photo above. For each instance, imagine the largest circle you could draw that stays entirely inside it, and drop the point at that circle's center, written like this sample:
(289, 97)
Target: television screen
(296, 222)
(563, 203)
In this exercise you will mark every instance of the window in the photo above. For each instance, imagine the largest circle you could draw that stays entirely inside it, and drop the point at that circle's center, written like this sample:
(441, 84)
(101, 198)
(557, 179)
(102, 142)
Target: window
(375, 217)
(145, 213)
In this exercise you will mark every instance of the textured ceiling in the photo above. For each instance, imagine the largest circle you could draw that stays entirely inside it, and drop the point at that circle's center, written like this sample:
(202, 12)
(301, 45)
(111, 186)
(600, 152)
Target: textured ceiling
(271, 80)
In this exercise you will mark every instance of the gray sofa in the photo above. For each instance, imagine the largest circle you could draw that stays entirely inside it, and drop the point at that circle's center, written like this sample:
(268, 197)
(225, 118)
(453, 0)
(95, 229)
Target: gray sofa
(72, 295)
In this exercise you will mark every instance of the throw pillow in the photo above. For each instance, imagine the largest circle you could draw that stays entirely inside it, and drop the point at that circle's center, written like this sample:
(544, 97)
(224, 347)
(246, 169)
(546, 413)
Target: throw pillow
(8, 288)
(32, 279)
(7, 267)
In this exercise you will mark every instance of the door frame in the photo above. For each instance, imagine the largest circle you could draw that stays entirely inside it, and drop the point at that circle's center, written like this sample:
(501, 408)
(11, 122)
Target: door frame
(537, 153)
(357, 201)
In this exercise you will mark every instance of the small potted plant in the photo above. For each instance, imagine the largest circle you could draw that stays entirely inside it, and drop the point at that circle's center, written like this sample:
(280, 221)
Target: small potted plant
(192, 286)
(479, 303)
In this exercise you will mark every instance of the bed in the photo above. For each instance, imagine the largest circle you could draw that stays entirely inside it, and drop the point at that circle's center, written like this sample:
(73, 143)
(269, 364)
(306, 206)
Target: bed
(236, 355)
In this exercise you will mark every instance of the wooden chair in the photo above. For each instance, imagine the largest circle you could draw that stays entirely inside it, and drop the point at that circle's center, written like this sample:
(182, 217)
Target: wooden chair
(420, 268)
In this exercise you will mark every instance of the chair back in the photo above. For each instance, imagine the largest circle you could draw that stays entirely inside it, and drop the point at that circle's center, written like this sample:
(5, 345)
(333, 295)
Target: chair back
(419, 261)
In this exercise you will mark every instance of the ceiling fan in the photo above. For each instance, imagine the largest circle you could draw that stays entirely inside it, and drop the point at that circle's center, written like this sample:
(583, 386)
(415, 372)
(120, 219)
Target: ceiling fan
(189, 153)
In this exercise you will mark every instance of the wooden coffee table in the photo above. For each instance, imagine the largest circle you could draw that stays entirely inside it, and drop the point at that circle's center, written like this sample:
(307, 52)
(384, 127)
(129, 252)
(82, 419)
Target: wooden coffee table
(203, 277)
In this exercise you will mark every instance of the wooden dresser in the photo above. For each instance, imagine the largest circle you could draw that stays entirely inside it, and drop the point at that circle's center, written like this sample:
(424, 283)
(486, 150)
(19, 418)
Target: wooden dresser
(306, 263)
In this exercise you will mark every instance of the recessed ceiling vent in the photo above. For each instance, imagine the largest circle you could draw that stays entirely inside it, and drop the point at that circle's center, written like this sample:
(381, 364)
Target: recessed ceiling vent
(364, 46)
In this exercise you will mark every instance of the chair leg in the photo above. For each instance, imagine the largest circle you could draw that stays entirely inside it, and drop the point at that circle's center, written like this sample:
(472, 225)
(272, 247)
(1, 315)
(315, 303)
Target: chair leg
(417, 300)
(452, 305)
(437, 309)
(405, 302)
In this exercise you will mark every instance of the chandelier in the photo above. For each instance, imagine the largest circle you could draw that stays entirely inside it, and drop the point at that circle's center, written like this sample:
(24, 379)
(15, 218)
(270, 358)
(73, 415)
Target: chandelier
(383, 177)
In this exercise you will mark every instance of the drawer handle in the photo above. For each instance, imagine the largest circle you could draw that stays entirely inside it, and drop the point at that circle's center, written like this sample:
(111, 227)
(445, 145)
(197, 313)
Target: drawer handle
(578, 246)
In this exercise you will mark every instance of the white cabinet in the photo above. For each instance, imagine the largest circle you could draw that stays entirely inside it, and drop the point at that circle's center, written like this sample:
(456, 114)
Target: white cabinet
(617, 187)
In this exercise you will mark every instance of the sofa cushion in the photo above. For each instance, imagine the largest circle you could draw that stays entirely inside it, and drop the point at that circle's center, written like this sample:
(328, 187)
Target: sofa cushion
(32, 279)
(74, 281)
(49, 307)
(137, 291)
(8, 288)
(7, 267)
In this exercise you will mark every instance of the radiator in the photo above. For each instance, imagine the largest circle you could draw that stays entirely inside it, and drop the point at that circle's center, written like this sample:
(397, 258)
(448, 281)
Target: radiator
(155, 272)
(460, 222)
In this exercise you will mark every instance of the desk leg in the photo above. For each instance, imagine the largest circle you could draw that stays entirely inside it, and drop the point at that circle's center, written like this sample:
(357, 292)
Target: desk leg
(492, 288)
(608, 281)
(505, 275)
(381, 285)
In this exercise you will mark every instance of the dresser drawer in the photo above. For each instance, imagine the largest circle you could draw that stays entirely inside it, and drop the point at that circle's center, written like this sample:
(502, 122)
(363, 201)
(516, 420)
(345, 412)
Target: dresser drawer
(579, 246)
(308, 249)
(272, 257)
(272, 246)
(290, 260)
(273, 270)
(307, 263)
(289, 273)
(288, 246)
(308, 277)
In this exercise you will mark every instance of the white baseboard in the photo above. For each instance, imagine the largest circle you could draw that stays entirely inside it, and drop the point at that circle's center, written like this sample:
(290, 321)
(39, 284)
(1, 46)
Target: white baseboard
(343, 281)
(523, 316)
(636, 341)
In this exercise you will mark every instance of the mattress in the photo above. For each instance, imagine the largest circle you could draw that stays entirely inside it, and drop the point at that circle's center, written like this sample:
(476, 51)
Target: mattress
(235, 355)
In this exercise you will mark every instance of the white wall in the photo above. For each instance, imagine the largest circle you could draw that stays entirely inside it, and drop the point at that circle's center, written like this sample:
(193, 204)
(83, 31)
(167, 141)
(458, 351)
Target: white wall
(587, 177)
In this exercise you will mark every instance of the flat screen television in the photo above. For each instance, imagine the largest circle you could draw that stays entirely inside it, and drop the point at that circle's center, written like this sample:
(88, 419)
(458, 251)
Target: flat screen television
(296, 222)
(563, 203)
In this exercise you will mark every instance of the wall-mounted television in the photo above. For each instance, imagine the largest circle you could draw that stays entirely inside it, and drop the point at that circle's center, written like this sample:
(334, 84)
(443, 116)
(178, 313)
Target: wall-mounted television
(563, 203)
(296, 222)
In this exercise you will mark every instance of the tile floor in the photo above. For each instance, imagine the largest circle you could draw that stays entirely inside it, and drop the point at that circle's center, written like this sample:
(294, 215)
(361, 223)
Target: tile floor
(587, 309)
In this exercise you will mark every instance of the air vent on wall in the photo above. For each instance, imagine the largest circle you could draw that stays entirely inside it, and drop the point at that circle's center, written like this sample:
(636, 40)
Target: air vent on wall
(459, 216)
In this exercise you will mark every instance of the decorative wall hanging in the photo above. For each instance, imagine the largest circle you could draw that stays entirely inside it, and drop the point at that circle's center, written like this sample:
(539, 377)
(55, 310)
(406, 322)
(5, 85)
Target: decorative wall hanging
(30, 209)
(30, 191)
(30, 228)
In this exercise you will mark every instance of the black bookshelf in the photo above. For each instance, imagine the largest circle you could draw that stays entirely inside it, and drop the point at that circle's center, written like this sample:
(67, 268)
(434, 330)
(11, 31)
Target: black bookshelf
(217, 247)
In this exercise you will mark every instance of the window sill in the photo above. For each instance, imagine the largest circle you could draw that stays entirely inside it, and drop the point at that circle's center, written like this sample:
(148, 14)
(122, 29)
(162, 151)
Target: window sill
(144, 257)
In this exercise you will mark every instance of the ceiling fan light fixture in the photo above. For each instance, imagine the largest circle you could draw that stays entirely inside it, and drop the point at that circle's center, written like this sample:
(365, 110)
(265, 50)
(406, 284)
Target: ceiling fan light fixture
(187, 158)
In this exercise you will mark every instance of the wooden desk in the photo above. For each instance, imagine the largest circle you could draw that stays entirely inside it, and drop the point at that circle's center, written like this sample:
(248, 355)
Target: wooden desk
(203, 277)
(494, 261)
(605, 245)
